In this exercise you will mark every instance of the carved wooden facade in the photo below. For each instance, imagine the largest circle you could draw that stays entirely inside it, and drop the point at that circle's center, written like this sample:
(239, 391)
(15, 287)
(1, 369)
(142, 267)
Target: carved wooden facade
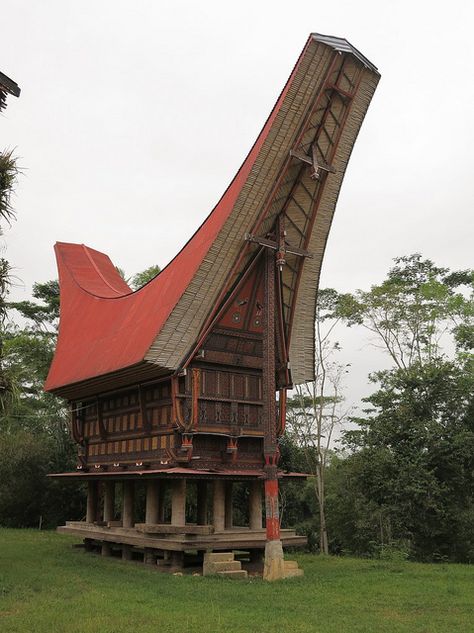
(210, 415)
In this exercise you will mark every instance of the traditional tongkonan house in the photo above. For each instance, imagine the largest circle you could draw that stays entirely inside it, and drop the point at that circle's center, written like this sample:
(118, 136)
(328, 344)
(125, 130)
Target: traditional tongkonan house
(173, 388)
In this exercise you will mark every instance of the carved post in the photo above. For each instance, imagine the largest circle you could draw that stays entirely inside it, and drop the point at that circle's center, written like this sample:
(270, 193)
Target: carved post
(92, 501)
(274, 562)
(255, 505)
(128, 503)
(228, 505)
(109, 500)
(178, 502)
(218, 509)
(152, 501)
(202, 502)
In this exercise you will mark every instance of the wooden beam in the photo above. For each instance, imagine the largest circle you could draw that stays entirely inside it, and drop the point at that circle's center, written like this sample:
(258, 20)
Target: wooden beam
(167, 528)
(263, 241)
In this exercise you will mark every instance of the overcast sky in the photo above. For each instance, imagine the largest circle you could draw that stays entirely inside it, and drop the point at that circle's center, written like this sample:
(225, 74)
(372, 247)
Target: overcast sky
(134, 117)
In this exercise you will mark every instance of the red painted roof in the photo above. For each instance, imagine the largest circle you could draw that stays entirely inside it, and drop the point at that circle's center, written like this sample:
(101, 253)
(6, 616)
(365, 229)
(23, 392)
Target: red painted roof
(104, 326)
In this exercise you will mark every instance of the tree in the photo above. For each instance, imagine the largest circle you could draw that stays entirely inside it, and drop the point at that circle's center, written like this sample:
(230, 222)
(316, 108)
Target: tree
(8, 178)
(411, 461)
(142, 278)
(317, 408)
(410, 314)
(28, 352)
(34, 426)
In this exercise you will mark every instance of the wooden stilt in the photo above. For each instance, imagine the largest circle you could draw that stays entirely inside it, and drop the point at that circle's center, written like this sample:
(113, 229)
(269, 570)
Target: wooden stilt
(109, 501)
(255, 505)
(128, 504)
(161, 502)
(228, 505)
(149, 557)
(202, 503)
(274, 562)
(218, 509)
(152, 501)
(106, 550)
(176, 561)
(178, 502)
(92, 501)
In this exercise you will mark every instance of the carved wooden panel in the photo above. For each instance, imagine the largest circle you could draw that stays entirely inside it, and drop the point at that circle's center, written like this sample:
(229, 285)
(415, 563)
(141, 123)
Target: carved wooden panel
(124, 425)
(130, 450)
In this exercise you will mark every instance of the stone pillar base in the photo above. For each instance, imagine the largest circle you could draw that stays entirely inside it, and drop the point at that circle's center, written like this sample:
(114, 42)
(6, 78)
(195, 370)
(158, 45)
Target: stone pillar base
(274, 564)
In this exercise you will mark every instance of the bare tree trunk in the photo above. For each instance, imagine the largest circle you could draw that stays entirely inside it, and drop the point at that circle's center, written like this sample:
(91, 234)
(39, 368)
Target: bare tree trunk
(314, 413)
(320, 495)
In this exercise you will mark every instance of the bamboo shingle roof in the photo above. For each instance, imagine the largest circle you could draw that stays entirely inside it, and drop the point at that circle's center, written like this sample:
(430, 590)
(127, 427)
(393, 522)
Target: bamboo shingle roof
(107, 332)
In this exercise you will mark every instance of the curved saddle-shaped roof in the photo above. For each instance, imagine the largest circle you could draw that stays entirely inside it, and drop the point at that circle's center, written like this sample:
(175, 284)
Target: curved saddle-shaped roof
(296, 167)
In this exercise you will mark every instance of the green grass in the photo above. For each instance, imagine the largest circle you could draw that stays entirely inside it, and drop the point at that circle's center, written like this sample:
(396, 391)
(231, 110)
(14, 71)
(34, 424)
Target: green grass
(47, 586)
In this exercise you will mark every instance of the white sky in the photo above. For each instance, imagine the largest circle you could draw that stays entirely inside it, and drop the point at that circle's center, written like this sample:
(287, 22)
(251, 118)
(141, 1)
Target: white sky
(134, 117)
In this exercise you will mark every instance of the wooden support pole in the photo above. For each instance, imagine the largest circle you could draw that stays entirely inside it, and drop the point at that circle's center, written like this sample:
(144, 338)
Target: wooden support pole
(176, 560)
(106, 550)
(161, 502)
(202, 502)
(218, 509)
(274, 562)
(128, 504)
(152, 501)
(178, 502)
(149, 556)
(228, 505)
(109, 501)
(255, 505)
(92, 501)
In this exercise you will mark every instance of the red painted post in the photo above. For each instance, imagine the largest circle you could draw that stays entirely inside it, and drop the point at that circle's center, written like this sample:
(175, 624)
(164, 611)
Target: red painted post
(270, 446)
(274, 564)
(272, 514)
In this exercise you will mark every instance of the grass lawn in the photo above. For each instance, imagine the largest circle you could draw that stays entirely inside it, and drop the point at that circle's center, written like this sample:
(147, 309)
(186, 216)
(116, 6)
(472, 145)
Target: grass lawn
(47, 586)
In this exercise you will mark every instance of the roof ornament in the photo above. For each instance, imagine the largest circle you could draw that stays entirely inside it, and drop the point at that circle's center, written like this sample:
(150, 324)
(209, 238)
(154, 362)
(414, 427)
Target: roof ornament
(281, 246)
(316, 166)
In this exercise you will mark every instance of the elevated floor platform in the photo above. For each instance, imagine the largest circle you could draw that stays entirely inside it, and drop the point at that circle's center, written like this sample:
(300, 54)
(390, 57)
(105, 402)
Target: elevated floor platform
(237, 538)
